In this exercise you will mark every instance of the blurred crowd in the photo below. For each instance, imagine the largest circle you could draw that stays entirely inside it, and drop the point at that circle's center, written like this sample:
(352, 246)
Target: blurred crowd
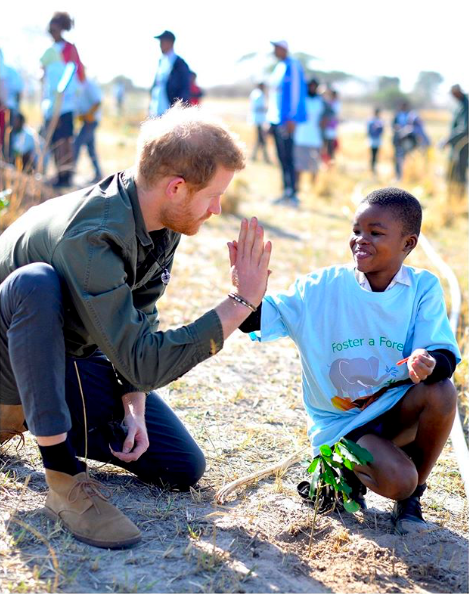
(302, 116)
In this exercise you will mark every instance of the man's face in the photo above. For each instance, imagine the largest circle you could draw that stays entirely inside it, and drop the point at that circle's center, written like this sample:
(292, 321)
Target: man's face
(166, 45)
(186, 213)
(377, 242)
(280, 52)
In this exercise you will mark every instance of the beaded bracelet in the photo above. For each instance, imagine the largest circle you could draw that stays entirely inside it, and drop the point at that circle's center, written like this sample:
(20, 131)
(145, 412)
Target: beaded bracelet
(243, 301)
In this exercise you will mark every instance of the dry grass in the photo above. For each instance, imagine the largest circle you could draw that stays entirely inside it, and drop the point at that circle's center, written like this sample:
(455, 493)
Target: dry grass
(244, 409)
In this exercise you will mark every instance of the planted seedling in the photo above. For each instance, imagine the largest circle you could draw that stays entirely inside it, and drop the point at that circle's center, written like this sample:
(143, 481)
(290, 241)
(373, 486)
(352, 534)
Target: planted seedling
(328, 482)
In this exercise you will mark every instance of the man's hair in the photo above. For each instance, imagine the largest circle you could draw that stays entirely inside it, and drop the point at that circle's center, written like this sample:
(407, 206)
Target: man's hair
(186, 143)
(63, 20)
(406, 207)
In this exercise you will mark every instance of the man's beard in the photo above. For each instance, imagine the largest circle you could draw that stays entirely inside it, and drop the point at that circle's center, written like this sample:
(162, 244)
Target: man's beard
(182, 221)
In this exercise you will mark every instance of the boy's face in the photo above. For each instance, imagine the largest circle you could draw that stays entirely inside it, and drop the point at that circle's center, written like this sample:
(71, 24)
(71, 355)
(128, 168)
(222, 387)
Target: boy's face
(377, 243)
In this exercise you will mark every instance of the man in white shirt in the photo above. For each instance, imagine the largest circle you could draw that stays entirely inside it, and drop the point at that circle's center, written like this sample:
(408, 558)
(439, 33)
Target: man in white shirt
(172, 79)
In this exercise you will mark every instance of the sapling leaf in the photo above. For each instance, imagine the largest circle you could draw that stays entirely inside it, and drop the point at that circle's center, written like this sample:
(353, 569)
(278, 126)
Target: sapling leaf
(314, 481)
(330, 479)
(363, 454)
(312, 466)
(325, 450)
(344, 487)
(351, 506)
(348, 464)
(348, 455)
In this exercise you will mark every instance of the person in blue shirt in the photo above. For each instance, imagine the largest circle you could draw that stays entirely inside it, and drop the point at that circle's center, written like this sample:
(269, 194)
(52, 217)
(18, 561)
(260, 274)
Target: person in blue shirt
(408, 134)
(286, 109)
(375, 129)
(89, 113)
(376, 351)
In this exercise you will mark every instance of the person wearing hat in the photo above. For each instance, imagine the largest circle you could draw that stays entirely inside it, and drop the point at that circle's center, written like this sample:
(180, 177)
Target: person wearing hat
(172, 79)
(287, 107)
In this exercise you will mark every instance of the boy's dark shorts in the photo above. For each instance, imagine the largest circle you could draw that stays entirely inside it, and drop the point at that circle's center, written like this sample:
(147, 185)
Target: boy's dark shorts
(383, 426)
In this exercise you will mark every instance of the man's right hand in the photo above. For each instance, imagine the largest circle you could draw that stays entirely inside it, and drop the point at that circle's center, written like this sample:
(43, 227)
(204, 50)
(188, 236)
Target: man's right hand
(249, 259)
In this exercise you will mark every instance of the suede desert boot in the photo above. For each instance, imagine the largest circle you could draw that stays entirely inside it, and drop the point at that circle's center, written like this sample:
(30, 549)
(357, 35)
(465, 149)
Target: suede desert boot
(81, 504)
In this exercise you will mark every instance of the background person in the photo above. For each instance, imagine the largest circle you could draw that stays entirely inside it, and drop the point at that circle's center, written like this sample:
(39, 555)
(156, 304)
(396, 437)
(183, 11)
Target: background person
(257, 117)
(89, 99)
(54, 61)
(408, 134)
(24, 144)
(458, 139)
(80, 277)
(331, 124)
(375, 129)
(286, 109)
(308, 135)
(172, 79)
(196, 92)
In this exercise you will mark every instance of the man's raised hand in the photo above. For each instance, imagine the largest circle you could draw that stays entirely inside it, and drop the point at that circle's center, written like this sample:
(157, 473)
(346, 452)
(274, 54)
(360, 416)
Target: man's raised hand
(249, 259)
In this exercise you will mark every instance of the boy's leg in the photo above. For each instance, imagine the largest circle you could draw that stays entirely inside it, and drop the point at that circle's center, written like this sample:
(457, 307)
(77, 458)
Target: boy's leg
(173, 459)
(402, 464)
(405, 457)
(425, 417)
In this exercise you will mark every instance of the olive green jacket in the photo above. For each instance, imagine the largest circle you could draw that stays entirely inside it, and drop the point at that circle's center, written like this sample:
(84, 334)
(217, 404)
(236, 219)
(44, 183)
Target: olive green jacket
(110, 268)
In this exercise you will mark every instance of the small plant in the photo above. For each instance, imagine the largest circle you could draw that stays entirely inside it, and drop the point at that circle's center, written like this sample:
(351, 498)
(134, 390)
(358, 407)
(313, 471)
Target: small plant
(325, 470)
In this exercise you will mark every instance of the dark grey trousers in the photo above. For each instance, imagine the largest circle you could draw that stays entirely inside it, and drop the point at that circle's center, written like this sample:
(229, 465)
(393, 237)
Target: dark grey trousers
(36, 372)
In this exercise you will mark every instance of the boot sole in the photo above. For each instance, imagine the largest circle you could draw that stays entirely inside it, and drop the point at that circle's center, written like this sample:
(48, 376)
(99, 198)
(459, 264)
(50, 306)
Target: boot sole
(123, 544)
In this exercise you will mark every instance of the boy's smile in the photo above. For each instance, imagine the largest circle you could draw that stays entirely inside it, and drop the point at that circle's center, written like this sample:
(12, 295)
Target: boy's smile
(378, 244)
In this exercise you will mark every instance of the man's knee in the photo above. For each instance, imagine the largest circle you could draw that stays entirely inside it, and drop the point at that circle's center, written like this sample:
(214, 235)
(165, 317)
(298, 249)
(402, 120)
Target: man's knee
(441, 397)
(38, 278)
(189, 473)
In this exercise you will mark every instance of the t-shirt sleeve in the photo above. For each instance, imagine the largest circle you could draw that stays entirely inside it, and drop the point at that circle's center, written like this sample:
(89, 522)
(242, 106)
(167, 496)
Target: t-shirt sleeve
(282, 313)
(431, 329)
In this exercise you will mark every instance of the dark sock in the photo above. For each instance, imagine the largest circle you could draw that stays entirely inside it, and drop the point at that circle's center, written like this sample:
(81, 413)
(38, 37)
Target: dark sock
(62, 458)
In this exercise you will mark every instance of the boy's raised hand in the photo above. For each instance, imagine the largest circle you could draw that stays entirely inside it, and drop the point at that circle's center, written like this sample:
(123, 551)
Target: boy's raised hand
(420, 365)
(249, 260)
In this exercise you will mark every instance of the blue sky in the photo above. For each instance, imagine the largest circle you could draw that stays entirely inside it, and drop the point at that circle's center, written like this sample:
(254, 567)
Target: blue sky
(363, 37)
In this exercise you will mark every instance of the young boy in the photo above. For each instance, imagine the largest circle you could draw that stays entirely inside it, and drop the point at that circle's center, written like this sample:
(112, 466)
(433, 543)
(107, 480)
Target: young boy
(353, 325)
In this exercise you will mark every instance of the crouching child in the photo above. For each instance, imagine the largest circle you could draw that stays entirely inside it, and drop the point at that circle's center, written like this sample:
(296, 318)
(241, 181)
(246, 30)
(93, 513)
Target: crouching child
(377, 353)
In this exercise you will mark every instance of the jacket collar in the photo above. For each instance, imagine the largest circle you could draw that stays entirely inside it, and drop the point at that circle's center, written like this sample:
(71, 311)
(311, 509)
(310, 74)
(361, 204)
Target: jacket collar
(128, 181)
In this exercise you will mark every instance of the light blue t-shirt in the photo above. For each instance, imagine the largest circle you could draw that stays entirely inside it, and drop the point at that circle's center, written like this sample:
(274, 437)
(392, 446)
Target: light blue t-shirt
(88, 94)
(350, 340)
(258, 109)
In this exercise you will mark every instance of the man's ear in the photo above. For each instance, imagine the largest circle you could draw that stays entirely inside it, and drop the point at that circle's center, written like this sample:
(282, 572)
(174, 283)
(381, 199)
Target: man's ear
(175, 187)
(410, 243)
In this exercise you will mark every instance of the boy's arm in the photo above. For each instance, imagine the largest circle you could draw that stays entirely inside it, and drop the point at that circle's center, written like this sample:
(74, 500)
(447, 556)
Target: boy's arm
(430, 366)
(444, 366)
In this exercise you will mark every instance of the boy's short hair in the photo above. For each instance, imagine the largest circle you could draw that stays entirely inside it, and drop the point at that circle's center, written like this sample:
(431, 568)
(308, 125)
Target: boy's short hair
(405, 206)
(186, 143)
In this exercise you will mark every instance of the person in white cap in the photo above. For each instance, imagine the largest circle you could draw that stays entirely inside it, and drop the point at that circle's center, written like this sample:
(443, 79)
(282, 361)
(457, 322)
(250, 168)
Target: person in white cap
(287, 107)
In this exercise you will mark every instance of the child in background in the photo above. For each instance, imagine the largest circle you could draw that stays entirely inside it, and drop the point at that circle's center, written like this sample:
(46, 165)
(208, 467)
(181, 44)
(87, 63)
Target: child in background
(353, 325)
(375, 130)
(24, 145)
